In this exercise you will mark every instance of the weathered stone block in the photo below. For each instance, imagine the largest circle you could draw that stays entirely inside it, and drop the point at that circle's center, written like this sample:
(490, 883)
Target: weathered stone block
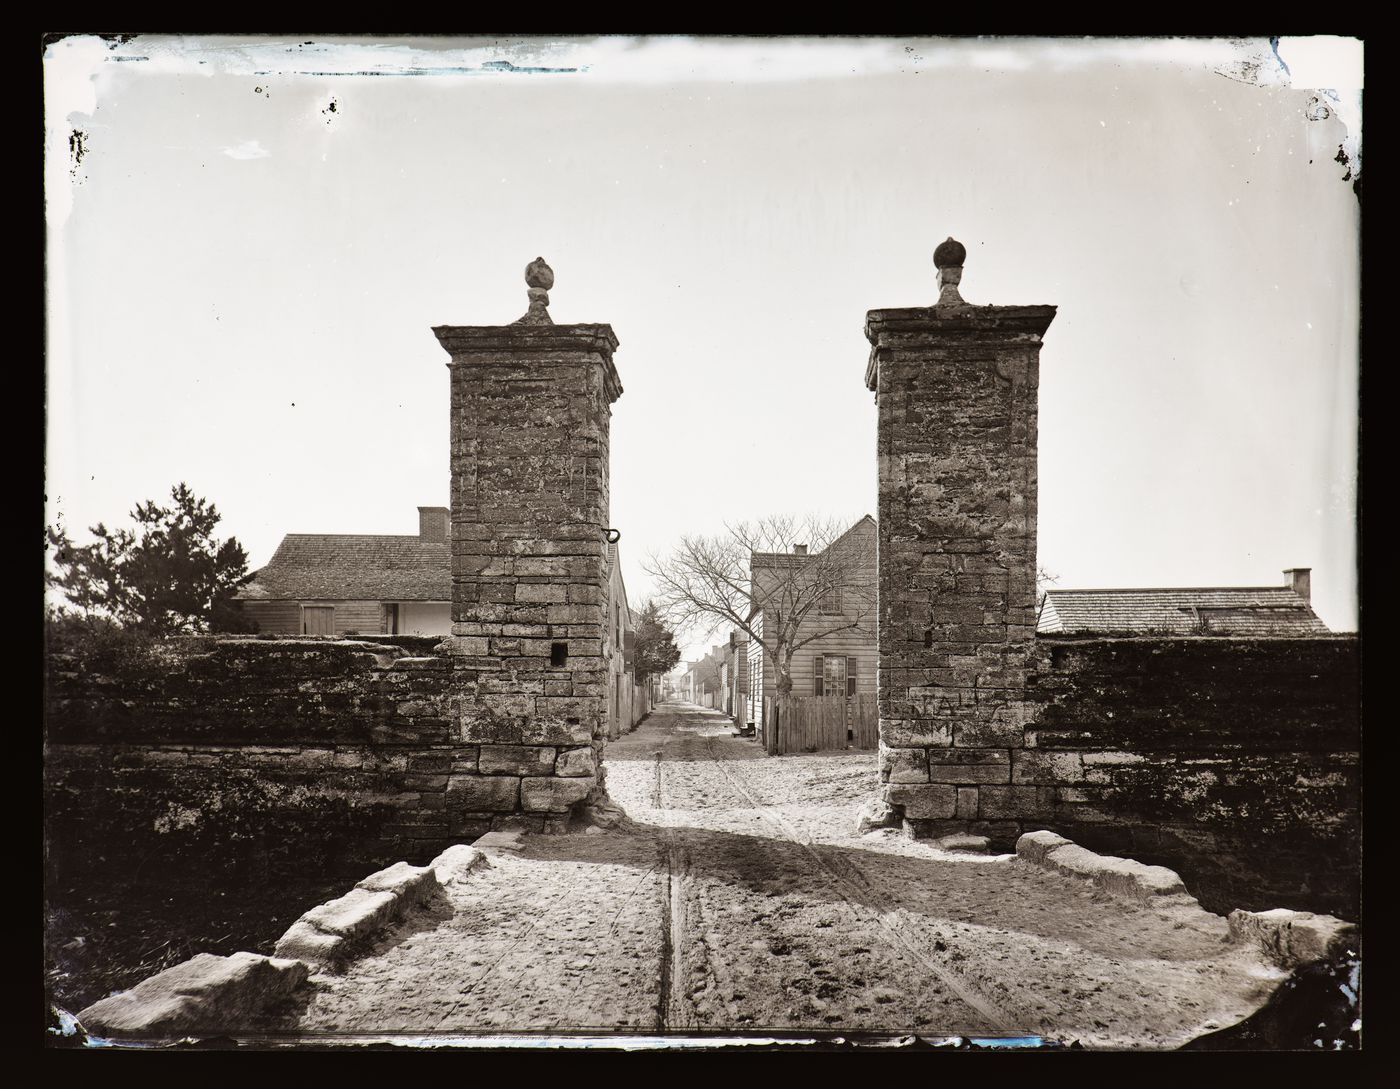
(358, 912)
(1034, 846)
(542, 592)
(305, 942)
(923, 801)
(1012, 803)
(456, 863)
(1291, 938)
(875, 814)
(411, 884)
(425, 782)
(516, 760)
(482, 793)
(505, 706)
(1121, 876)
(584, 709)
(967, 803)
(553, 794)
(1047, 767)
(913, 733)
(969, 766)
(204, 994)
(903, 765)
(526, 730)
(575, 762)
(973, 733)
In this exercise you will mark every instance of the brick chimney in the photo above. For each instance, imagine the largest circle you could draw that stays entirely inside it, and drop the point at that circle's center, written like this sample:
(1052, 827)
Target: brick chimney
(1299, 580)
(799, 550)
(432, 523)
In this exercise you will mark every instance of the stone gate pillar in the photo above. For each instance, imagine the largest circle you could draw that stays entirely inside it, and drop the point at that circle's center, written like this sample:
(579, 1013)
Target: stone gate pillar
(956, 386)
(530, 420)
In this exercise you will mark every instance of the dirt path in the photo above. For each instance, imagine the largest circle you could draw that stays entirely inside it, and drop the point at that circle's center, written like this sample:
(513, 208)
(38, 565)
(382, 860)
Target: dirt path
(740, 897)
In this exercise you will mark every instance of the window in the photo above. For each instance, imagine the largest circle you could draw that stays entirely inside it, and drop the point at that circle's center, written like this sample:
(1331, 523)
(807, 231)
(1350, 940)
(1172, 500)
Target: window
(830, 604)
(391, 619)
(833, 676)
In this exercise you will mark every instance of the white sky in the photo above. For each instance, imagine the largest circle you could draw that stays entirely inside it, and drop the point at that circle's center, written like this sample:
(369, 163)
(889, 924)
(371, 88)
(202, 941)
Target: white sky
(242, 281)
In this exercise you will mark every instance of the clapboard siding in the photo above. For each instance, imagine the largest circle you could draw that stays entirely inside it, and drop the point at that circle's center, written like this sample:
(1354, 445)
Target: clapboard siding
(364, 617)
(275, 617)
(859, 645)
(284, 617)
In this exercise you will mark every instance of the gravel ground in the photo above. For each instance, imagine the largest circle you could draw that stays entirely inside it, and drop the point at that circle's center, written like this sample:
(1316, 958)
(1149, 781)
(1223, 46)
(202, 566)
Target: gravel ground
(738, 896)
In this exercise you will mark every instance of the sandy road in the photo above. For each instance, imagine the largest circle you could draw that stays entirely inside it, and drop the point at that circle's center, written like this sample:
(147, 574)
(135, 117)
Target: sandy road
(739, 897)
(778, 977)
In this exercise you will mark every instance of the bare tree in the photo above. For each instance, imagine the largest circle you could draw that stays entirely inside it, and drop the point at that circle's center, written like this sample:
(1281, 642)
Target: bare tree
(784, 582)
(1044, 579)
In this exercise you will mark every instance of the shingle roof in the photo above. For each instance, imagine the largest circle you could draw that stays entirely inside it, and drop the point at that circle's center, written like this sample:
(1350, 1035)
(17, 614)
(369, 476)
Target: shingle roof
(1261, 610)
(791, 559)
(354, 567)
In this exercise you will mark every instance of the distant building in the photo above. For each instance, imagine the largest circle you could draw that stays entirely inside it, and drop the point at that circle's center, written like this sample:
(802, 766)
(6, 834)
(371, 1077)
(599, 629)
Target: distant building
(339, 583)
(625, 701)
(1246, 610)
(839, 664)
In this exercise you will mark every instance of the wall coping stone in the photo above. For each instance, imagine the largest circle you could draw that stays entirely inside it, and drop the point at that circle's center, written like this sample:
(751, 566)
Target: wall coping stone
(329, 931)
(205, 993)
(457, 863)
(1124, 877)
(1292, 938)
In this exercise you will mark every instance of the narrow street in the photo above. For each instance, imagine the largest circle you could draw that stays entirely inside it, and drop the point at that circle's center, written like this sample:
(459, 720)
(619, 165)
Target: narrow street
(739, 897)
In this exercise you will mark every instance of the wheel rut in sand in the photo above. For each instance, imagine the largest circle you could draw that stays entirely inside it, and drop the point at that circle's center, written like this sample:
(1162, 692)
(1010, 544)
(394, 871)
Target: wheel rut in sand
(857, 891)
(673, 1012)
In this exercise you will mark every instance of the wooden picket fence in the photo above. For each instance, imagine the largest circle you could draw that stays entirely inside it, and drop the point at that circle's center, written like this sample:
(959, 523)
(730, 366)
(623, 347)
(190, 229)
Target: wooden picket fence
(865, 723)
(819, 723)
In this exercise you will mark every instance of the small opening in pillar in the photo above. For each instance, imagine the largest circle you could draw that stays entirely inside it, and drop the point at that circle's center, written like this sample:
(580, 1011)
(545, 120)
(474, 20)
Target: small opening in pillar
(928, 637)
(558, 654)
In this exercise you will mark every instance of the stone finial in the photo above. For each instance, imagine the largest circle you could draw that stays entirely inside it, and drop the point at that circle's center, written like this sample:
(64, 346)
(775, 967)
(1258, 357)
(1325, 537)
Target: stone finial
(539, 278)
(948, 258)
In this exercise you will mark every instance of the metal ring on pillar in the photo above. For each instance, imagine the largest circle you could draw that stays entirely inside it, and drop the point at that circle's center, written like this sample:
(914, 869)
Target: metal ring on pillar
(612, 535)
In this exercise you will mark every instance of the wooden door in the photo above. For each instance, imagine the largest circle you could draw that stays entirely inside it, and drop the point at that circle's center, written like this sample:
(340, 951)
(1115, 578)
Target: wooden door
(318, 620)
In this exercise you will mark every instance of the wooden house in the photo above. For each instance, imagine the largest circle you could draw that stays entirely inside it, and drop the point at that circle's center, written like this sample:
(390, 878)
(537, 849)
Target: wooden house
(366, 584)
(840, 663)
(1242, 610)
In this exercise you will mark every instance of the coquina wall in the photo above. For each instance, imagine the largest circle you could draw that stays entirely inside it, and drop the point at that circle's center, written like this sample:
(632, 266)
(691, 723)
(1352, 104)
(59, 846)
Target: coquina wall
(1234, 761)
(299, 746)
